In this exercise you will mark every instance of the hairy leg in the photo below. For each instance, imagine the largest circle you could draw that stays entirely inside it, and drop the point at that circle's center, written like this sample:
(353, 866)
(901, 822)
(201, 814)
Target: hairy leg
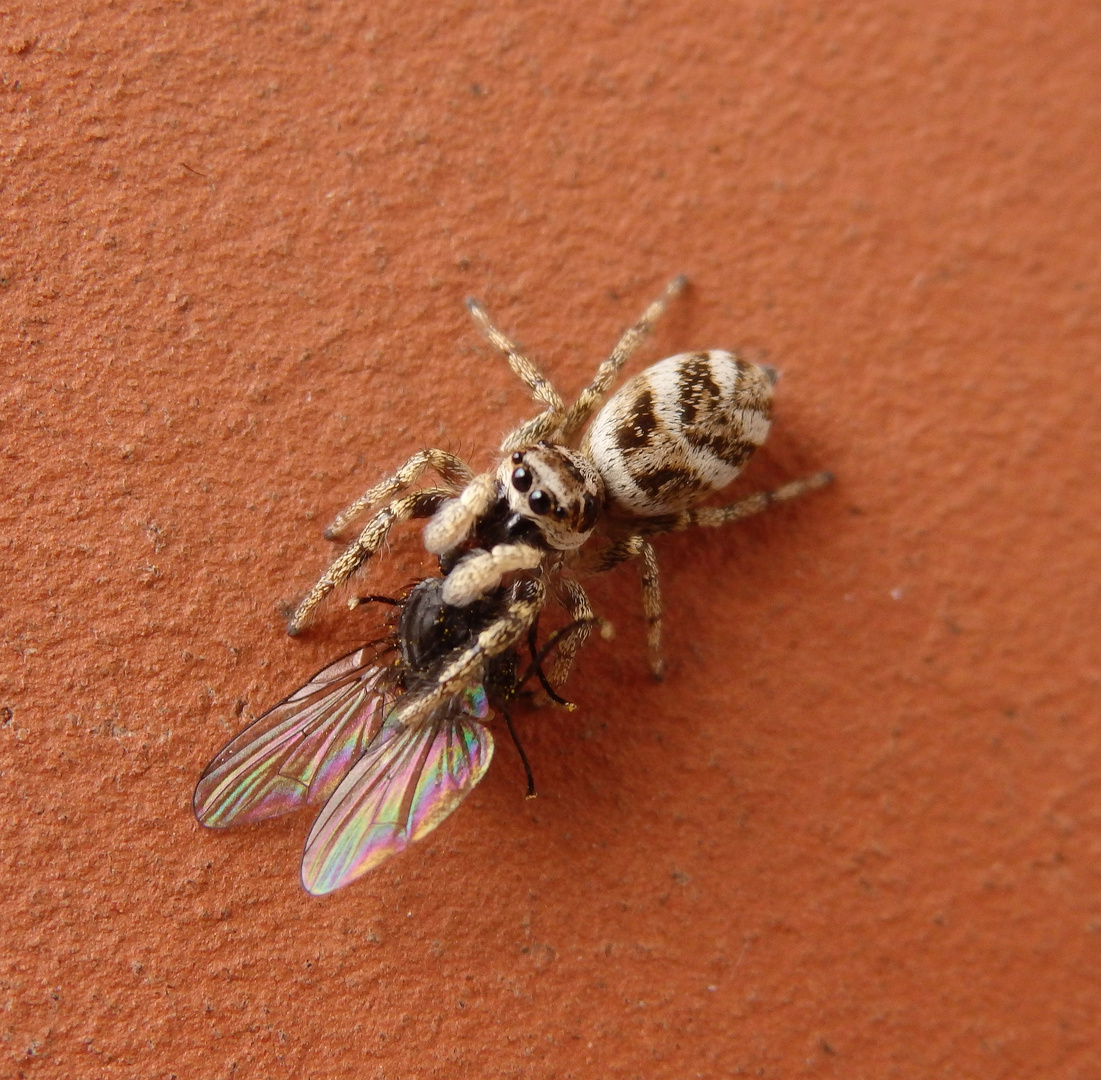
(712, 516)
(542, 390)
(418, 505)
(576, 602)
(539, 385)
(593, 395)
(637, 547)
(452, 468)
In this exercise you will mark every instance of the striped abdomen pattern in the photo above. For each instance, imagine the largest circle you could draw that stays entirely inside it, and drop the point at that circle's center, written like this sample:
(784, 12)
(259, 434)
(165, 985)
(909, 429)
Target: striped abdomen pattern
(679, 430)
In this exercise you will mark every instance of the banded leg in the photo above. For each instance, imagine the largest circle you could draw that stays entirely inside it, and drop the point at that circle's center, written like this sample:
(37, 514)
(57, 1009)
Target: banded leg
(542, 390)
(591, 397)
(467, 667)
(419, 504)
(544, 426)
(712, 516)
(651, 606)
(576, 602)
(634, 547)
(453, 469)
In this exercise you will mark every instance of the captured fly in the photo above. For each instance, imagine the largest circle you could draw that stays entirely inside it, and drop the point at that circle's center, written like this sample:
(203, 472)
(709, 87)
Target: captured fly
(388, 739)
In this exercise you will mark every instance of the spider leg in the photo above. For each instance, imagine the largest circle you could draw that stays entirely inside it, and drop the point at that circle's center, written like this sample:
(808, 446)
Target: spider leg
(453, 469)
(480, 572)
(536, 667)
(466, 668)
(537, 657)
(544, 426)
(636, 546)
(542, 390)
(711, 516)
(576, 602)
(633, 547)
(591, 397)
(417, 505)
(539, 385)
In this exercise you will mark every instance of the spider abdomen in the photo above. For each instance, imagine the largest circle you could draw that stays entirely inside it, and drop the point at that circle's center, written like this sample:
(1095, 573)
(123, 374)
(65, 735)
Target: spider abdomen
(679, 430)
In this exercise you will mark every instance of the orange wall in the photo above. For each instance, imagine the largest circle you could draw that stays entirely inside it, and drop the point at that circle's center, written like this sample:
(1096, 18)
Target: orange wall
(857, 831)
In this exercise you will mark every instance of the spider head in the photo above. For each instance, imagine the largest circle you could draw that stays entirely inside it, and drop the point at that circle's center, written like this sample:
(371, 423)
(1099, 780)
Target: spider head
(558, 489)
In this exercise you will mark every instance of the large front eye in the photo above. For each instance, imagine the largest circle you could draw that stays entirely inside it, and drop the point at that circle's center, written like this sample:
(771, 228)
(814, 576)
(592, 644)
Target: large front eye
(521, 479)
(539, 501)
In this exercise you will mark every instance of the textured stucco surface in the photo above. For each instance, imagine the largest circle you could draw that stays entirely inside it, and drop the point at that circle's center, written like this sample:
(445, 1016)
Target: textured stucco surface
(857, 831)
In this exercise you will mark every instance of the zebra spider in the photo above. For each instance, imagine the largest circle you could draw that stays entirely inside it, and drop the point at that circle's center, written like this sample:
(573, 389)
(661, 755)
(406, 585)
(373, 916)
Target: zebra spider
(670, 437)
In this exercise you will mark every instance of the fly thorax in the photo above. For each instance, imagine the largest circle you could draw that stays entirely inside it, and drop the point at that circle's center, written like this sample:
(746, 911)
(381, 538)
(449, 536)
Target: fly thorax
(557, 489)
(679, 430)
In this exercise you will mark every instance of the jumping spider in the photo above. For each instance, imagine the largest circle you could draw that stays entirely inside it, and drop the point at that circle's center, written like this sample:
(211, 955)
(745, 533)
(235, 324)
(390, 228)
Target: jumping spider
(671, 436)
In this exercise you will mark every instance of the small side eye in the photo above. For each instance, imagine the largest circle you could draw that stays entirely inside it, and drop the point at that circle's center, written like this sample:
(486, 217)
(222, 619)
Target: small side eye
(559, 512)
(517, 457)
(588, 512)
(521, 479)
(539, 501)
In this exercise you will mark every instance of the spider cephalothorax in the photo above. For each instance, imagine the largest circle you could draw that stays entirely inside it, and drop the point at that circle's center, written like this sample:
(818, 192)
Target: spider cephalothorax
(557, 488)
(543, 500)
(670, 437)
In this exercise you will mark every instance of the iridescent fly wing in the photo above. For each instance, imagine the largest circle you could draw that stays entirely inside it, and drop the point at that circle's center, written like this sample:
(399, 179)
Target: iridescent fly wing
(407, 782)
(298, 751)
